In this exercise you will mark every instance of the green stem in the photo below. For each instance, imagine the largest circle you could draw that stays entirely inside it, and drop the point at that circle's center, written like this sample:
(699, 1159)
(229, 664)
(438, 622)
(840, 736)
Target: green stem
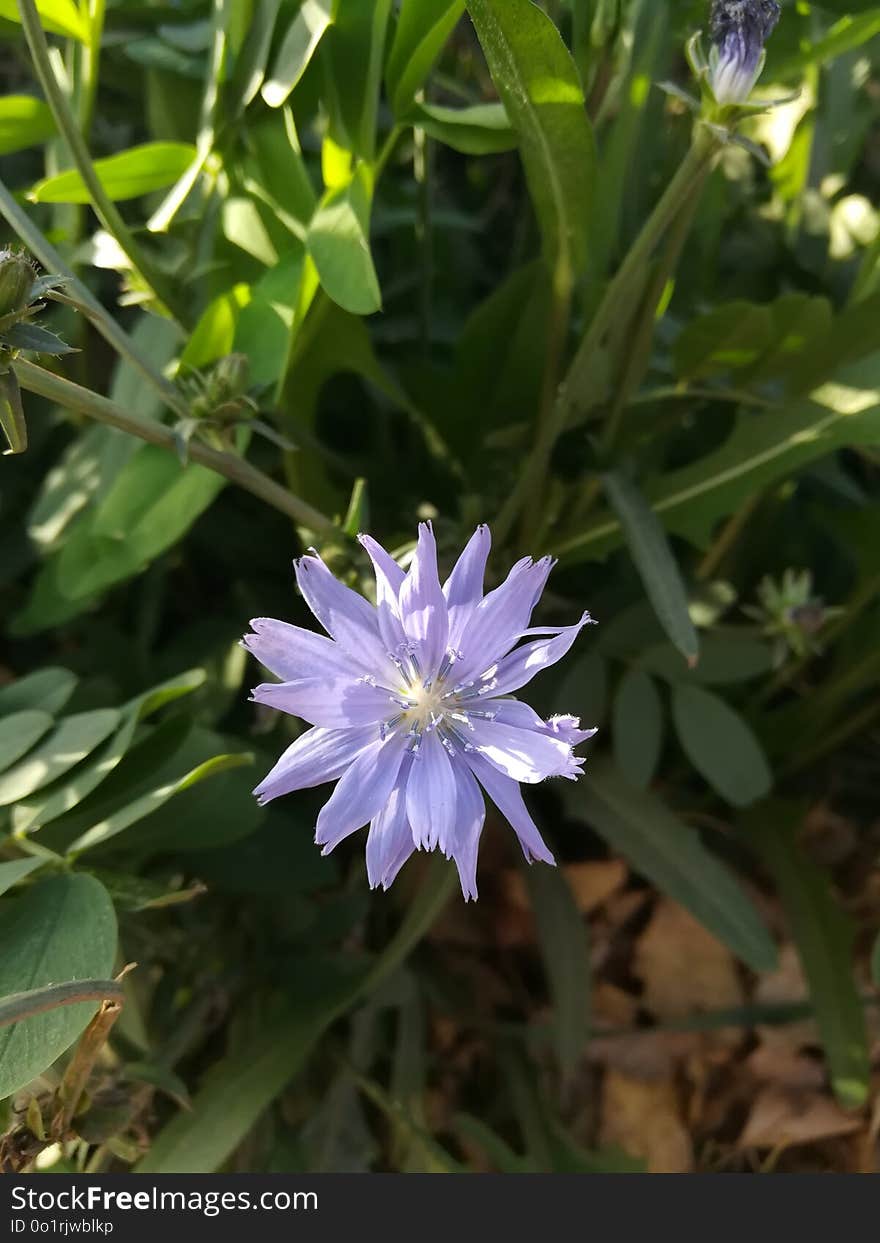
(578, 393)
(236, 469)
(104, 208)
(86, 302)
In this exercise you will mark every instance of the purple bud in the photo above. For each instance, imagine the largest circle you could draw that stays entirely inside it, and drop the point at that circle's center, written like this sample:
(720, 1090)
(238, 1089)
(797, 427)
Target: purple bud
(739, 30)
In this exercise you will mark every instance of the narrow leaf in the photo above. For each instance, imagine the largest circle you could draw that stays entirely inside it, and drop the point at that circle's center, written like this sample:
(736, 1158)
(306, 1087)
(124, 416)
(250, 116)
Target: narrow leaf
(637, 723)
(673, 857)
(655, 563)
(824, 936)
(128, 175)
(540, 87)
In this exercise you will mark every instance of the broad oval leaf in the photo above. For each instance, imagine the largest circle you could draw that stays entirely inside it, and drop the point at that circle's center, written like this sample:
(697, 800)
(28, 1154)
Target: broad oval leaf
(73, 738)
(14, 871)
(128, 175)
(337, 241)
(540, 87)
(672, 856)
(721, 746)
(59, 17)
(637, 727)
(24, 122)
(19, 732)
(47, 690)
(654, 561)
(61, 929)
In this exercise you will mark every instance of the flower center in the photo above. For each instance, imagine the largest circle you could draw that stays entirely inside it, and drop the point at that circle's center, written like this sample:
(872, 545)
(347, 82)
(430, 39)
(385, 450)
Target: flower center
(428, 706)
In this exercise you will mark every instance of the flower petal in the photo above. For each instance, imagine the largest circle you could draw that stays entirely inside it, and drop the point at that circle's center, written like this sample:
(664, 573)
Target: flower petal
(361, 792)
(390, 840)
(464, 587)
(389, 578)
(430, 796)
(317, 756)
(335, 703)
(423, 606)
(513, 712)
(291, 652)
(521, 665)
(347, 617)
(524, 754)
(500, 618)
(469, 816)
(507, 797)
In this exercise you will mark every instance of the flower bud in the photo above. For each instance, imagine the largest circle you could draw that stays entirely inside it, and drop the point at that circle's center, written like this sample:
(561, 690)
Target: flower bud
(16, 277)
(739, 30)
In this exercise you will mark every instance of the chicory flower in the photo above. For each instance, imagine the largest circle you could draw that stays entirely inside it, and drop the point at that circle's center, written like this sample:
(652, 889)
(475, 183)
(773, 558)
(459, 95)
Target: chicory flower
(411, 708)
(739, 30)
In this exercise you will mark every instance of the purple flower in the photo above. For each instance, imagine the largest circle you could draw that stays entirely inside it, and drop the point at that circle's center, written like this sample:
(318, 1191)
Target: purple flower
(411, 708)
(739, 29)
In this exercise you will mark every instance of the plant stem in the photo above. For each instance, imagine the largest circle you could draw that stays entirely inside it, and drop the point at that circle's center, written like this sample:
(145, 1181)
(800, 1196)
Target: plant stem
(104, 208)
(579, 391)
(85, 300)
(236, 469)
(80, 1066)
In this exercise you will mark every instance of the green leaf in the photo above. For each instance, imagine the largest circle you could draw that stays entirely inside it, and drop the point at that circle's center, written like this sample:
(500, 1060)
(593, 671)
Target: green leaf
(214, 333)
(244, 1084)
(32, 813)
(875, 962)
(722, 660)
(637, 727)
(271, 319)
(12, 420)
(11, 873)
(19, 732)
(728, 338)
(481, 129)
(672, 856)
(61, 929)
(73, 738)
(353, 54)
(24, 122)
(423, 27)
(128, 175)
(19, 1006)
(338, 242)
(152, 504)
(764, 447)
(25, 336)
(564, 942)
(541, 90)
(47, 690)
(852, 31)
(250, 65)
(148, 803)
(297, 48)
(655, 563)
(59, 17)
(824, 936)
(721, 746)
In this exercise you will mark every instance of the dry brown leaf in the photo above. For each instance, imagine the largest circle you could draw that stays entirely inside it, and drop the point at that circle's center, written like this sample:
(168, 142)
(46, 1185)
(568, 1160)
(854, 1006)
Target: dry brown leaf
(785, 1117)
(646, 1054)
(643, 1118)
(592, 884)
(684, 969)
(772, 1063)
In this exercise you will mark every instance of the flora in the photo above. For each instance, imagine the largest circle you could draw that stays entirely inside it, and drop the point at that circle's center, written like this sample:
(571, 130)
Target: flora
(603, 277)
(410, 704)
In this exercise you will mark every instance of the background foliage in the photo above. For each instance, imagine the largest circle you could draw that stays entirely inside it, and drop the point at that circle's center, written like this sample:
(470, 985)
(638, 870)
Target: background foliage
(359, 247)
